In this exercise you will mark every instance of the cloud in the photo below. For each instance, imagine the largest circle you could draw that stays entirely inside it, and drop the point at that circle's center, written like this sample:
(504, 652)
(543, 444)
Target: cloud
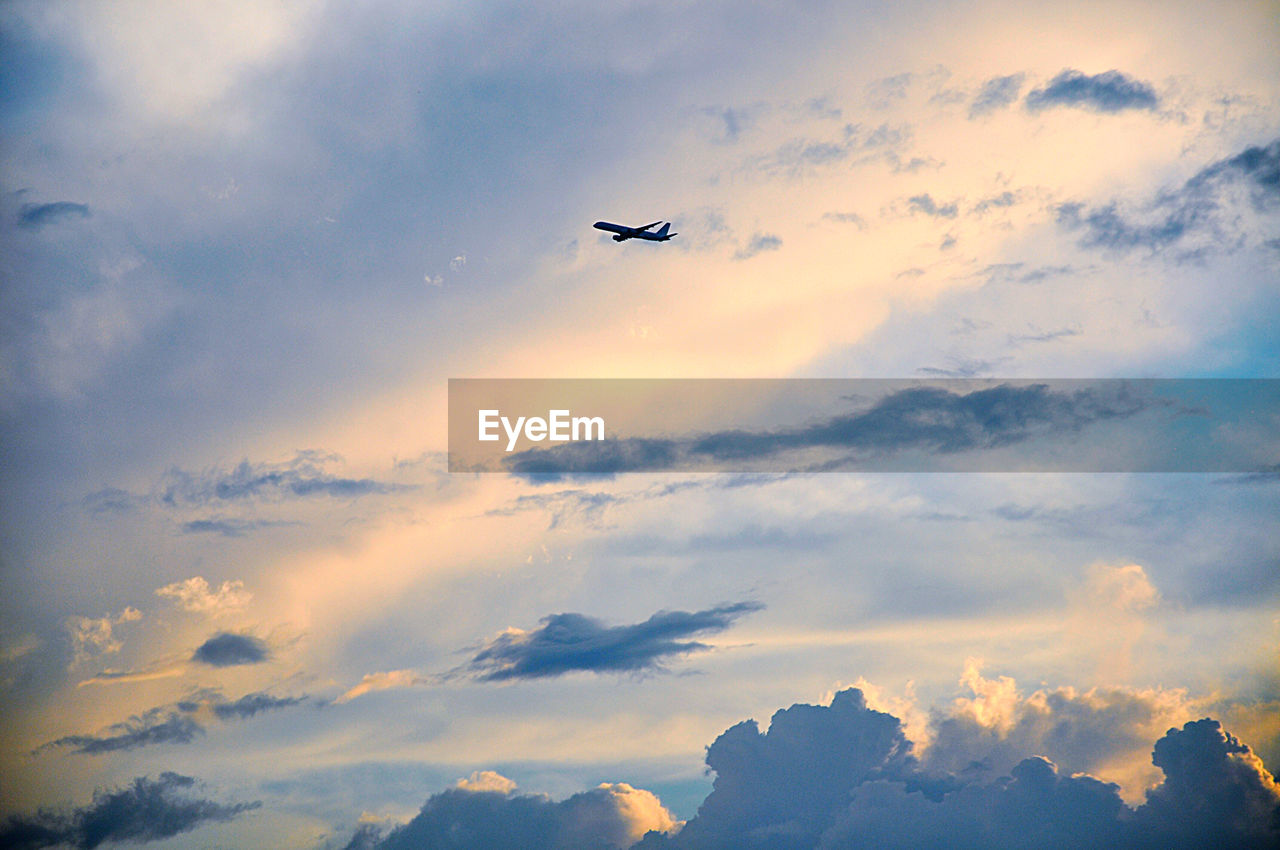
(609, 816)
(385, 681)
(856, 142)
(92, 636)
(1004, 199)
(845, 776)
(996, 93)
(1101, 731)
(759, 243)
(487, 780)
(195, 595)
(570, 642)
(1214, 787)
(1111, 91)
(227, 527)
(249, 705)
(788, 781)
(925, 204)
(226, 649)
(1206, 205)
(1043, 336)
(156, 726)
(179, 723)
(303, 476)
(147, 810)
(930, 419)
(37, 216)
(846, 218)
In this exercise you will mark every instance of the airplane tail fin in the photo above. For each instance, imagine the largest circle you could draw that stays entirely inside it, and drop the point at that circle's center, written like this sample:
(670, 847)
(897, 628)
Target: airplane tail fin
(662, 231)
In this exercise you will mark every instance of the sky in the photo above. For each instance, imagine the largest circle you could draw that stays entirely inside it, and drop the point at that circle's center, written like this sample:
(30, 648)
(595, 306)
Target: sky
(244, 247)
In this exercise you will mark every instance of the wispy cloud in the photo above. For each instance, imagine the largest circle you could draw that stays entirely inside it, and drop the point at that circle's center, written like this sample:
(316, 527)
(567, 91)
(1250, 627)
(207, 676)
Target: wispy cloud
(759, 243)
(1202, 206)
(996, 93)
(178, 723)
(303, 476)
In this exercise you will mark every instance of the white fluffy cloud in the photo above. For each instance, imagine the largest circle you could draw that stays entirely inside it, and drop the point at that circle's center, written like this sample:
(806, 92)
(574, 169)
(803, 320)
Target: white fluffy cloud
(194, 594)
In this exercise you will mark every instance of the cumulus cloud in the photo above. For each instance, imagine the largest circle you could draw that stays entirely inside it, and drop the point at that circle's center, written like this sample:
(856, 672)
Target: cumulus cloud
(37, 216)
(996, 93)
(785, 783)
(570, 642)
(608, 816)
(227, 649)
(195, 595)
(845, 776)
(487, 780)
(1207, 206)
(147, 810)
(1102, 731)
(1111, 91)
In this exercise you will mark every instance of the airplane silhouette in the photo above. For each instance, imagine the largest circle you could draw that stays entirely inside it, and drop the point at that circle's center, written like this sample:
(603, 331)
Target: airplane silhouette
(624, 233)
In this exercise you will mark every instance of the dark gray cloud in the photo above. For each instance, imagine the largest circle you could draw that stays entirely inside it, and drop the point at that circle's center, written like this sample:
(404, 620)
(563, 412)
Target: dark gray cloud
(604, 818)
(251, 704)
(843, 777)
(759, 243)
(785, 784)
(1200, 207)
(570, 642)
(927, 205)
(931, 419)
(177, 723)
(1110, 91)
(147, 810)
(1216, 792)
(305, 475)
(996, 93)
(227, 649)
(157, 726)
(36, 216)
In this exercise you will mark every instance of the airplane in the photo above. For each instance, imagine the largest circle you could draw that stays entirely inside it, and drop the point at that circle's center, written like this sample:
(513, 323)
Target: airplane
(624, 233)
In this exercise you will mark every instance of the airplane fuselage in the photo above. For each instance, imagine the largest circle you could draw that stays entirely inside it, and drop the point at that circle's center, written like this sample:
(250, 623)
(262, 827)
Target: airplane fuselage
(622, 233)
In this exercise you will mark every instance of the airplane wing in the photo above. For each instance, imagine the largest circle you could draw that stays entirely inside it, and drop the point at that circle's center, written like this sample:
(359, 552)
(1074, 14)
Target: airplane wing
(647, 226)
